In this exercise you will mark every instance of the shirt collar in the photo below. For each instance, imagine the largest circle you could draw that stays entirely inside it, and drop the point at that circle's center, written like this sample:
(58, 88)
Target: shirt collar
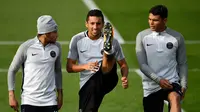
(37, 40)
(159, 33)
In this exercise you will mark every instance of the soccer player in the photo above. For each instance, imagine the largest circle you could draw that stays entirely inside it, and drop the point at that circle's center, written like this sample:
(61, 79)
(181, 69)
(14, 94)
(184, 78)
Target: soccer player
(162, 58)
(40, 59)
(97, 53)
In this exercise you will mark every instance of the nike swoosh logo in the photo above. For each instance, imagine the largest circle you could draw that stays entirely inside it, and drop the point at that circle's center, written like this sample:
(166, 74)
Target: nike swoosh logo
(83, 51)
(34, 54)
(149, 44)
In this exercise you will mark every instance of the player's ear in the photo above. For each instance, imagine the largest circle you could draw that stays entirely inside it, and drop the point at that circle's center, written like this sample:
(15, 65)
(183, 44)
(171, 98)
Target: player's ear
(46, 35)
(165, 20)
(86, 24)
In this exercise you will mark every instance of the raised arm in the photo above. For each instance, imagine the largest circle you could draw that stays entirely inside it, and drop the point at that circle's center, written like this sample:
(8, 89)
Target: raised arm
(72, 58)
(73, 67)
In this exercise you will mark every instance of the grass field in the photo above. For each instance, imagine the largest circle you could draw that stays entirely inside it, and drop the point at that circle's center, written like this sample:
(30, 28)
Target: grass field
(18, 23)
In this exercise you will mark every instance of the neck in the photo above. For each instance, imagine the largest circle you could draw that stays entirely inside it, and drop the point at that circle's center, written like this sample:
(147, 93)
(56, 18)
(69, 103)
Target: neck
(42, 40)
(93, 37)
(162, 29)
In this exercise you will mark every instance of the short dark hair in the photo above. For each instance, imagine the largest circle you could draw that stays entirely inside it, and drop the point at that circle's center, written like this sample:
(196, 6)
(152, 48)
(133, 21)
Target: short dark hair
(159, 10)
(95, 12)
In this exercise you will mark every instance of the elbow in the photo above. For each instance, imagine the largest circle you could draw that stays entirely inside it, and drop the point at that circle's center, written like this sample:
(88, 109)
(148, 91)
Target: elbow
(11, 73)
(142, 68)
(69, 66)
(69, 70)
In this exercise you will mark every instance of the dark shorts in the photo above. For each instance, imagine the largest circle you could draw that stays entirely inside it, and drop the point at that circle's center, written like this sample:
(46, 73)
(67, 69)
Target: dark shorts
(155, 101)
(30, 108)
(92, 93)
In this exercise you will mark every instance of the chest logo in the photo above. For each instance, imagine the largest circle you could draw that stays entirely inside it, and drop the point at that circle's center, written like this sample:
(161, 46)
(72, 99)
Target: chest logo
(83, 51)
(53, 54)
(149, 44)
(169, 45)
(33, 54)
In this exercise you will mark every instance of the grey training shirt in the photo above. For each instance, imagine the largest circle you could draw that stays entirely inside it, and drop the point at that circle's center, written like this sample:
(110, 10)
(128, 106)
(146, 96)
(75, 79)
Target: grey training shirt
(41, 68)
(85, 50)
(161, 55)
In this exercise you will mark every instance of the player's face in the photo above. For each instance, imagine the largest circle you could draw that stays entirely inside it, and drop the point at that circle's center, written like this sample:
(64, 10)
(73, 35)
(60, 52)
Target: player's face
(51, 37)
(156, 23)
(94, 26)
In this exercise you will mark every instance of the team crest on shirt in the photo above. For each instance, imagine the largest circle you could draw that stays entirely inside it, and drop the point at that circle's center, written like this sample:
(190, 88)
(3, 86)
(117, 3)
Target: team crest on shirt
(169, 45)
(53, 54)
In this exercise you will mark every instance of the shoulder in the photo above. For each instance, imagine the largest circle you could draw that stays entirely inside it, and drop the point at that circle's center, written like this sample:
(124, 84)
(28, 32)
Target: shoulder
(173, 33)
(115, 41)
(28, 43)
(79, 36)
(58, 45)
